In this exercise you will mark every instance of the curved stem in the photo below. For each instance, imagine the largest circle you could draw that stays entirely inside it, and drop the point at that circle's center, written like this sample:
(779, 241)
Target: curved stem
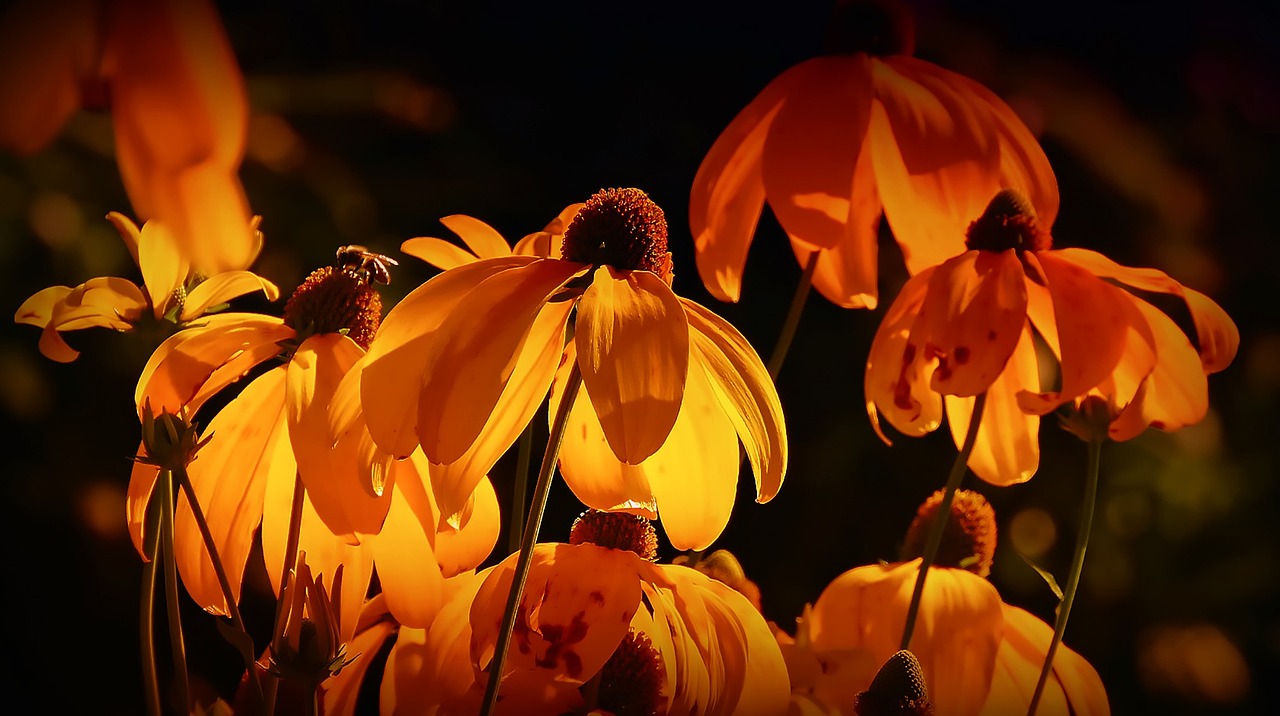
(520, 488)
(940, 520)
(1077, 567)
(788, 332)
(146, 617)
(525, 559)
(172, 604)
(290, 557)
(233, 610)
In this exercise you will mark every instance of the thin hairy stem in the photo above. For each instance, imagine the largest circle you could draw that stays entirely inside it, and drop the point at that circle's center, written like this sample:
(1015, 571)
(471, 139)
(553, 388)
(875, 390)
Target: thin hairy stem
(788, 332)
(520, 487)
(146, 617)
(172, 605)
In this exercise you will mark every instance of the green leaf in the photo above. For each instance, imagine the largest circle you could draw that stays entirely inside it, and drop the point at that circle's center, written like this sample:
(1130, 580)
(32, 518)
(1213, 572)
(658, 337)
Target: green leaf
(1044, 574)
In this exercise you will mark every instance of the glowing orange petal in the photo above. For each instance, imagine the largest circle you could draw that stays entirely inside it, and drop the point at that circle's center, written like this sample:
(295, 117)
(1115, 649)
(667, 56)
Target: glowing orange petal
(1093, 320)
(325, 553)
(897, 374)
(1176, 392)
(1073, 686)
(38, 309)
(196, 362)
(688, 678)
(971, 319)
(397, 356)
(521, 397)
(47, 54)
(483, 240)
(728, 192)
(746, 394)
(330, 473)
(105, 302)
(54, 348)
(342, 691)
(141, 482)
(764, 683)
(442, 254)
(550, 241)
(464, 548)
(222, 288)
(813, 147)
(426, 668)
(164, 268)
(633, 348)
(1217, 334)
(937, 158)
(1007, 447)
(475, 351)
(404, 554)
(575, 610)
(250, 447)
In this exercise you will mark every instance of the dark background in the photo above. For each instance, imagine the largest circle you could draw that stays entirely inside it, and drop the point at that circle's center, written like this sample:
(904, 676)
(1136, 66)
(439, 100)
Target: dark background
(372, 120)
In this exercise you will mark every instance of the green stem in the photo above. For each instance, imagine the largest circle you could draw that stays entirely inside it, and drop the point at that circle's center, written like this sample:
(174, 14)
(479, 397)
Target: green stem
(525, 559)
(940, 519)
(146, 621)
(290, 557)
(233, 610)
(1077, 567)
(520, 488)
(788, 332)
(172, 605)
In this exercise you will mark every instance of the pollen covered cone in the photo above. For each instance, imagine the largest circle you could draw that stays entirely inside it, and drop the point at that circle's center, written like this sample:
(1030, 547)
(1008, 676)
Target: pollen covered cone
(463, 362)
(276, 430)
(898, 689)
(593, 611)
(972, 324)
(837, 140)
(179, 109)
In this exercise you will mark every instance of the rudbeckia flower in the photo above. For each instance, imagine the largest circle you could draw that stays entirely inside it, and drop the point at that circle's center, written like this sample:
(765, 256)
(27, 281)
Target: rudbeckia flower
(172, 291)
(837, 140)
(276, 431)
(600, 627)
(966, 327)
(978, 654)
(178, 107)
(461, 364)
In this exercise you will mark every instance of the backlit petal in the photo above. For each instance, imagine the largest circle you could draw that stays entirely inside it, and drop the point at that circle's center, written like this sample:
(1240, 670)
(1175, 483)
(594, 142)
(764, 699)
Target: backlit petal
(106, 302)
(1073, 686)
(397, 356)
(746, 394)
(728, 192)
(764, 684)
(633, 348)
(434, 667)
(342, 691)
(223, 287)
(164, 268)
(141, 482)
(38, 309)
(404, 554)
(896, 382)
(464, 548)
(442, 254)
(483, 240)
(1175, 393)
(814, 144)
(550, 241)
(1007, 448)
(54, 348)
(475, 351)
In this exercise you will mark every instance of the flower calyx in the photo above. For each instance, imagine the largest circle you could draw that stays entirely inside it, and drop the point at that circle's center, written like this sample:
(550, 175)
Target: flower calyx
(169, 441)
(1089, 419)
(306, 646)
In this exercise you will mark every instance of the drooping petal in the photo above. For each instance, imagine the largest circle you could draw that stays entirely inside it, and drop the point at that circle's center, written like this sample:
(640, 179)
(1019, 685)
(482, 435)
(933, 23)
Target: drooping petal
(746, 394)
(104, 302)
(38, 309)
(483, 240)
(342, 691)
(475, 352)
(632, 339)
(404, 553)
(896, 382)
(1006, 450)
(1217, 334)
(463, 548)
(54, 348)
(325, 552)
(971, 319)
(164, 268)
(330, 469)
(397, 356)
(1176, 391)
(549, 242)
(728, 192)
(221, 288)
(201, 360)
(455, 483)
(428, 668)
(249, 448)
(1093, 320)
(442, 254)
(141, 482)
(813, 147)
(1073, 686)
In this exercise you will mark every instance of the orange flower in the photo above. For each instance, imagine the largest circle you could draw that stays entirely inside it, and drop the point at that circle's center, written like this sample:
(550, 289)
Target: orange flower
(966, 327)
(277, 427)
(177, 100)
(171, 291)
(600, 626)
(978, 654)
(669, 388)
(836, 140)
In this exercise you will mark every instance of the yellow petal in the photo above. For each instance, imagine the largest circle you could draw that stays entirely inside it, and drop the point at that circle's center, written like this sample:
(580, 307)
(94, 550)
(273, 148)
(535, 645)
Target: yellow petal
(404, 554)
(105, 302)
(342, 691)
(250, 446)
(437, 252)
(38, 309)
(1175, 393)
(141, 482)
(397, 357)
(812, 151)
(164, 268)
(483, 240)
(550, 241)
(1073, 686)
(54, 348)
(632, 339)
(427, 668)
(222, 288)
(897, 373)
(475, 352)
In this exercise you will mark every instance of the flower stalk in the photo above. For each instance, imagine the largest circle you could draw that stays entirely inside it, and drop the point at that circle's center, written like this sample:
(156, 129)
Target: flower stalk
(536, 508)
(788, 332)
(290, 551)
(171, 588)
(520, 487)
(939, 525)
(146, 623)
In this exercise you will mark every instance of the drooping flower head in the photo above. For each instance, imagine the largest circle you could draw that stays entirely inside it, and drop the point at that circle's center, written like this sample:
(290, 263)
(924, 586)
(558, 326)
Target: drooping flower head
(971, 325)
(668, 388)
(864, 130)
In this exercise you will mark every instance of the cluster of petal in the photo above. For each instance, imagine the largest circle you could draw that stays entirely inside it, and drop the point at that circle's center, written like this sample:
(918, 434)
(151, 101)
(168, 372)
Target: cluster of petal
(171, 291)
(178, 106)
(462, 363)
(972, 325)
(978, 655)
(836, 140)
